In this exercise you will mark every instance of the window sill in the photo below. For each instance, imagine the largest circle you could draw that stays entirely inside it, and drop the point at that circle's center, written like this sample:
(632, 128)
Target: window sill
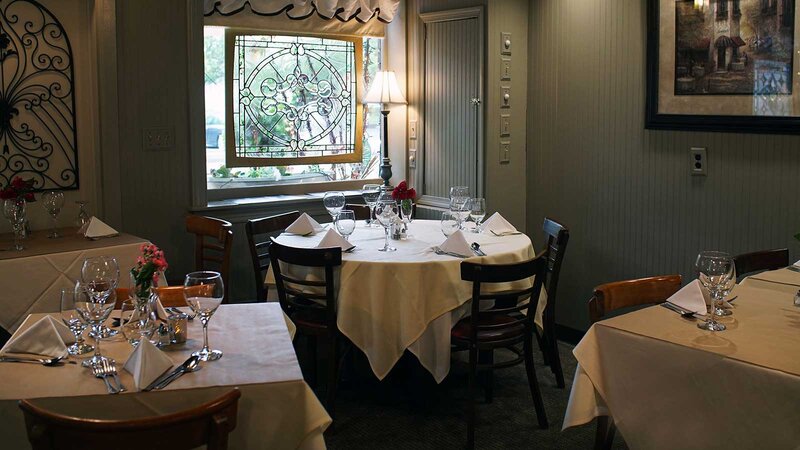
(242, 205)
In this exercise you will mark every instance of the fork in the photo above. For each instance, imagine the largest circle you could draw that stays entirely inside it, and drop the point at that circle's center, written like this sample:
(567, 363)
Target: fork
(99, 371)
(111, 369)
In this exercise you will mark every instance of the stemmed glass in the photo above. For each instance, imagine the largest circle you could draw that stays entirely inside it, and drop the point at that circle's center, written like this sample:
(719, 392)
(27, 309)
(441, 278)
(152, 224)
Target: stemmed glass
(386, 213)
(14, 211)
(94, 310)
(204, 292)
(450, 223)
(334, 202)
(727, 287)
(73, 320)
(100, 275)
(714, 270)
(53, 201)
(83, 216)
(477, 211)
(346, 223)
(406, 211)
(459, 203)
(370, 193)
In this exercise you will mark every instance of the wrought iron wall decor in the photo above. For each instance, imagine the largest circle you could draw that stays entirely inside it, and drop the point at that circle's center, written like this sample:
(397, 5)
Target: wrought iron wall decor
(37, 98)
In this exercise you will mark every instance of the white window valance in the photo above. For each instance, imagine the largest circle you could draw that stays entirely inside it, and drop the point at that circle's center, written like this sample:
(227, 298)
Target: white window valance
(343, 10)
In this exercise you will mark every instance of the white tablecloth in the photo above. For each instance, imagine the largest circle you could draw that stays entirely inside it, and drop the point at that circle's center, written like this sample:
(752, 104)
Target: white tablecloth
(671, 385)
(411, 298)
(32, 280)
(277, 409)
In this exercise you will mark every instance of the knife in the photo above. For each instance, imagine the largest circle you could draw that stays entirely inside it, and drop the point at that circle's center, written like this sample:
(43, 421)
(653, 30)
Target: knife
(164, 377)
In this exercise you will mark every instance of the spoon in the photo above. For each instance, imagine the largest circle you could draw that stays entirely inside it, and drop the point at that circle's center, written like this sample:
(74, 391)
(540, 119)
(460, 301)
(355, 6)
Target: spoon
(477, 249)
(188, 367)
(42, 361)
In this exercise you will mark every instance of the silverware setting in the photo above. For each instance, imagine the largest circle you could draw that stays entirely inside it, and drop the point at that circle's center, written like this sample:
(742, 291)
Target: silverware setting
(190, 365)
(477, 249)
(103, 371)
(685, 313)
(794, 268)
(43, 361)
(439, 251)
(111, 369)
(506, 233)
(175, 310)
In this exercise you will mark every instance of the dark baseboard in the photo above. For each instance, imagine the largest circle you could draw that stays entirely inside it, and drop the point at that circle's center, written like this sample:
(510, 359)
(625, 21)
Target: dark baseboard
(568, 335)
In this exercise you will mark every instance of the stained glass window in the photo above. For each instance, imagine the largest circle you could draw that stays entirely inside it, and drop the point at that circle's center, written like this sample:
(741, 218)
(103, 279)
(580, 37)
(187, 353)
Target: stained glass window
(294, 100)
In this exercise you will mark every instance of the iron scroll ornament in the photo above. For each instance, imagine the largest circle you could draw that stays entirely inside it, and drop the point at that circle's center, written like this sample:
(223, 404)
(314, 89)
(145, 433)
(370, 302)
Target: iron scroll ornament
(38, 137)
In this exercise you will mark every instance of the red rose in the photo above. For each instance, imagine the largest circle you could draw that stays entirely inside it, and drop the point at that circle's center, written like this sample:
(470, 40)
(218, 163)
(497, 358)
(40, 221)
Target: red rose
(18, 183)
(412, 194)
(7, 193)
(29, 197)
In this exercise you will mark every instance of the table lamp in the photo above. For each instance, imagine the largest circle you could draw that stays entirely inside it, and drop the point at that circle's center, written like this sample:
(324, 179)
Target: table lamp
(384, 90)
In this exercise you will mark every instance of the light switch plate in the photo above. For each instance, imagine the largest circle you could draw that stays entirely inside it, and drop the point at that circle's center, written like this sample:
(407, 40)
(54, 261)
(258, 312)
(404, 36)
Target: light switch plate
(505, 152)
(505, 68)
(505, 96)
(505, 125)
(505, 43)
(412, 129)
(412, 158)
(160, 138)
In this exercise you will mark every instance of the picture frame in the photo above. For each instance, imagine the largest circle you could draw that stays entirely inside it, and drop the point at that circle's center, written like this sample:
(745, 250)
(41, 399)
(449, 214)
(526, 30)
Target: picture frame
(725, 66)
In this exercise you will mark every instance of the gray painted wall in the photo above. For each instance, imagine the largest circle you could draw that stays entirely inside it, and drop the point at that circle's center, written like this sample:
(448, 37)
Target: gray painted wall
(625, 192)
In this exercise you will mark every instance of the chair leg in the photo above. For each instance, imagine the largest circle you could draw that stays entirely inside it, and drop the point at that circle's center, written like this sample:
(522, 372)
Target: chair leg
(473, 369)
(538, 404)
(332, 377)
(604, 435)
(311, 348)
(541, 339)
(487, 357)
(555, 359)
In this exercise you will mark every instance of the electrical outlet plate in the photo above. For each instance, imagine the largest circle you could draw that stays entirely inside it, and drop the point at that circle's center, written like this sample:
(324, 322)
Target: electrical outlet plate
(412, 158)
(698, 162)
(505, 68)
(505, 96)
(505, 151)
(160, 138)
(412, 129)
(505, 125)
(505, 43)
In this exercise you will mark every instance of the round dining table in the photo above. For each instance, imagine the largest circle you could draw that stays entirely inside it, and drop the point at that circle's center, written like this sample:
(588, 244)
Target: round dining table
(408, 299)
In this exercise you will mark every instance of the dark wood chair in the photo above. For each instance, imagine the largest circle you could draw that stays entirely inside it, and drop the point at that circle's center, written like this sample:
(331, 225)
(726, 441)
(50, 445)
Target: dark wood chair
(624, 294)
(555, 248)
(213, 245)
(311, 305)
(748, 263)
(168, 295)
(207, 424)
(362, 211)
(500, 327)
(259, 250)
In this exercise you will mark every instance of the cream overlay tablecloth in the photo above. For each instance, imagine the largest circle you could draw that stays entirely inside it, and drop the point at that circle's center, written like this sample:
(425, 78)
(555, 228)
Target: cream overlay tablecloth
(277, 409)
(411, 298)
(32, 279)
(671, 385)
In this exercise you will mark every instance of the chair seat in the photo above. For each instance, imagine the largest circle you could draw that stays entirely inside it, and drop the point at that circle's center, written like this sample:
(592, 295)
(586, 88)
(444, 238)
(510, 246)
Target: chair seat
(463, 329)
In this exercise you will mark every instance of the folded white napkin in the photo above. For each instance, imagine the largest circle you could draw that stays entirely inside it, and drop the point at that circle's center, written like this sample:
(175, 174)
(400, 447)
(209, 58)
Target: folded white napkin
(305, 225)
(47, 337)
(498, 225)
(96, 229)
(147, 363)
(691, 297)
(334, 239)
(457, 244)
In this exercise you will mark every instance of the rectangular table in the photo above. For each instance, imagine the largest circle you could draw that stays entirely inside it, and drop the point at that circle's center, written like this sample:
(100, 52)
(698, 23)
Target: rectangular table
(669, 384)
(277, 408)
(32, 279)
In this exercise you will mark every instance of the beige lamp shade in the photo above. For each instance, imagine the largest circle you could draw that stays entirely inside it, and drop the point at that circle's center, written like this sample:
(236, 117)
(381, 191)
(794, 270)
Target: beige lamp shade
(384, 89)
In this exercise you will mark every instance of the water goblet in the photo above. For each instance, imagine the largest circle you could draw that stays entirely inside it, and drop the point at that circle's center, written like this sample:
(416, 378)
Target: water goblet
(450, 223)
(73, 320)
(53, 201)
(346, 223)
(94, 310)
(386, 213)
(334, 202)
(83, 215)
(720, 309)
(477, 211)
(714, 271)
(204, 292)
(406, 211)
(100, 274)
(370, 194)
(14, 211)
(459, 203)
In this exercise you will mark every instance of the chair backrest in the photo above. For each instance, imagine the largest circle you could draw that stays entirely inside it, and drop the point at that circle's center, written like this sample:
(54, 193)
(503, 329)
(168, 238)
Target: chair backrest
(309, 295)
(169, 296)
(361, 211)
(555, 247)
(213, 245)
(621, 294)
(207, 424)
(259, 249)
(481, 274)
(748, 263)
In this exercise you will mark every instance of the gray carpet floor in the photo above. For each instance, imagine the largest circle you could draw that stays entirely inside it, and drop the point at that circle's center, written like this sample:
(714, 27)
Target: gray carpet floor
(407, 410)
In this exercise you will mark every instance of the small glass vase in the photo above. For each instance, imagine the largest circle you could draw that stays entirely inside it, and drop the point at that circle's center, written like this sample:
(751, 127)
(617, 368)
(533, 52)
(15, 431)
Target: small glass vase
(144, 319)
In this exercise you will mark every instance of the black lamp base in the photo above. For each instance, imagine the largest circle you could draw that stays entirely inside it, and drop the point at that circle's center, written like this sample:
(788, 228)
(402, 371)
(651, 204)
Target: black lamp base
(385, 171)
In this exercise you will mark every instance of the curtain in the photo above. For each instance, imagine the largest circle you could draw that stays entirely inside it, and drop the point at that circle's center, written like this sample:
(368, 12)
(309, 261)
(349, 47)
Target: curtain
(343, 10)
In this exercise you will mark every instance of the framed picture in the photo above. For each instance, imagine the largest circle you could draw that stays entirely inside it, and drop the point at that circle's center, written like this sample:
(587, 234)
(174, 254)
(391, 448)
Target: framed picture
(723, 65)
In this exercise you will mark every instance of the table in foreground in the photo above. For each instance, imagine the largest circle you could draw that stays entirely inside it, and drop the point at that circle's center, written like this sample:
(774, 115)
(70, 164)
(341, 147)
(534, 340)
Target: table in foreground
(389, 302)
(32, 279)
(669, 384)
(277, 408)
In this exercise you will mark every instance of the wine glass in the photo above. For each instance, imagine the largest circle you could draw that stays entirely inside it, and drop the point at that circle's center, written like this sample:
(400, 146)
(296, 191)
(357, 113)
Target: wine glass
(14, 211)
(53, 201)
(334, 202)
(370, 193)
(204, 292)
(94, 310)
(450, 223)
(477, 211)
(73, 320)
(83, 216)
(459, 203)
(346, 223)
(100, 274)
(386, 213)
(406, 211)
(720, 309)
(714, 271)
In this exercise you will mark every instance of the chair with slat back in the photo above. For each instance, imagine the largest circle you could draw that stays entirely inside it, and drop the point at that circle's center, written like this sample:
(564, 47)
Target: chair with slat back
(555, 247)
(625, 294)
(311, 305)
(361, 211)
(500, 326)
(170, 296)
(259, 250)
(207, 424)
(213, 245)
(748, 263)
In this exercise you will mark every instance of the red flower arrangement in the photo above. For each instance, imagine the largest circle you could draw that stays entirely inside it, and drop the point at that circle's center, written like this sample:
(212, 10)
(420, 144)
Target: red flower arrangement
(148, 269)
(402, 192)
(19, 189)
